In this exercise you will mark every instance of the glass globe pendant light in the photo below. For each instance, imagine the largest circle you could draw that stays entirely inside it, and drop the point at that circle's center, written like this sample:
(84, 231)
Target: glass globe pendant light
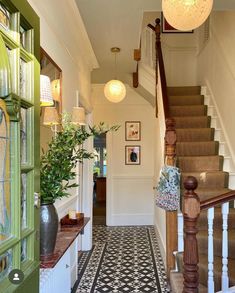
(115, 90)
(186, 15)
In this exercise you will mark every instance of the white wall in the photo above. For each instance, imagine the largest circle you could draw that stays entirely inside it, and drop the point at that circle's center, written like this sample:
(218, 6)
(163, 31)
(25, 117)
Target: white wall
(216, 70)
(179, 53)
(130, 198)
(68, 45)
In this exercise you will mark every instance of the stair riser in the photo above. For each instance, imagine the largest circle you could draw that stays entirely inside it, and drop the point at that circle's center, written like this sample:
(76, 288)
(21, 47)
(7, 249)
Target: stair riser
(217, 224)
(203, 246)
(181, 91)
(182, 111)
(200, 164)
(219, 180)
(192, 122)
(196, 135)
(197, 149)
(186, 100)
(203, 277)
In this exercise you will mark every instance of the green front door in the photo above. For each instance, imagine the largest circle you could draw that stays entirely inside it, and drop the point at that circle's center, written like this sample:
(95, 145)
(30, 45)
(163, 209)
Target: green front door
(19, 145)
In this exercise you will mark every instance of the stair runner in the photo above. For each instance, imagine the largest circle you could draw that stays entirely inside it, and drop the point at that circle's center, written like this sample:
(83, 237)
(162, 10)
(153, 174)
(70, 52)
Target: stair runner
(197, 154)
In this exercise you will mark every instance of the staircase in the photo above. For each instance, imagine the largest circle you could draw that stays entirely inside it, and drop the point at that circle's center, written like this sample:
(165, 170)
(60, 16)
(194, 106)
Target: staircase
(197, 154)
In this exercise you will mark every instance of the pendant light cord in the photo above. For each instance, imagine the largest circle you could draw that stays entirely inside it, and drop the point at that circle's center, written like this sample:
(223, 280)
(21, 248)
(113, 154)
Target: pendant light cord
(115, 76)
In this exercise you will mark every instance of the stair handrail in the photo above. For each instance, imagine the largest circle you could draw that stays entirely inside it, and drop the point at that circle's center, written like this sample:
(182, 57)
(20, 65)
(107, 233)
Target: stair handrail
(170, 143)
(191, 210)
(160, 63)
(217, 200)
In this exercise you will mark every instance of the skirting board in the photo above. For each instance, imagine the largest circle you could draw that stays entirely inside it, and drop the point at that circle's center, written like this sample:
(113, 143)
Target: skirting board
(161, 245)
(131, 220)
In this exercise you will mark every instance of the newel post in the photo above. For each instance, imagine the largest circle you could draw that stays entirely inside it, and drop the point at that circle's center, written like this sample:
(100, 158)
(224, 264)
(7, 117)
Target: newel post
(191, 211)
(171, 217)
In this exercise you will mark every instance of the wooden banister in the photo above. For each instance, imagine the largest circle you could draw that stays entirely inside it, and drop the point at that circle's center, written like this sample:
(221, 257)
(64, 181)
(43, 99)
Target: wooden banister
(191, 211)
(218, 200)
(170, 145)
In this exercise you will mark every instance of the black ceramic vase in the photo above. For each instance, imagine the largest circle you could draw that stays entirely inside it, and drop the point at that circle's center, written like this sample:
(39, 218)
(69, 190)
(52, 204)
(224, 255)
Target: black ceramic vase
(48, 229)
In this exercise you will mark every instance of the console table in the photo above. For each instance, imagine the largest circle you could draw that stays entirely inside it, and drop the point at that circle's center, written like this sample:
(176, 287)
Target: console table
(58, 273)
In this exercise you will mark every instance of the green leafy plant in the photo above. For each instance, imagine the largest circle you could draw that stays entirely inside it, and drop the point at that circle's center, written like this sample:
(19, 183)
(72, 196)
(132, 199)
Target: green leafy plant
(64, 152)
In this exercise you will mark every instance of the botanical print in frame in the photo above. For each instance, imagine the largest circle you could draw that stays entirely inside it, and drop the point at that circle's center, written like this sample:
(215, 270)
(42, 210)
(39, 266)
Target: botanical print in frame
(132, 154)
(132, 130)
(167, 28)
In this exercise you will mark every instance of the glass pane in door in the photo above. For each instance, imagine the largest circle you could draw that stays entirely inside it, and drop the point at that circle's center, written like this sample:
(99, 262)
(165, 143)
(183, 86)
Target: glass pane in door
(5, 199)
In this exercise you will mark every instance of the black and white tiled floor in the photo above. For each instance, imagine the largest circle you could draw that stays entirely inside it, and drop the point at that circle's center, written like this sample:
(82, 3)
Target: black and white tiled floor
(123, 259)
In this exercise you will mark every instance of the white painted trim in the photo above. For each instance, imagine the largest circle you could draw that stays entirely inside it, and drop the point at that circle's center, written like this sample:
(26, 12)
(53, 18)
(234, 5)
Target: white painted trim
(87, 194)
(226, 137)
(109, 185)
(162, 247)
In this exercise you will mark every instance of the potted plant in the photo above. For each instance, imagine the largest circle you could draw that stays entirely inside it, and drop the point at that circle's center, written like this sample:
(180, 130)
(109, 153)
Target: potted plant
(57, 174)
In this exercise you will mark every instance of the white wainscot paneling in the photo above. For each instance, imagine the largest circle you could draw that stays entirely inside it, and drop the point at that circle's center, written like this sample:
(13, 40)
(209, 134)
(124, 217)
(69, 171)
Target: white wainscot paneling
(132, 200)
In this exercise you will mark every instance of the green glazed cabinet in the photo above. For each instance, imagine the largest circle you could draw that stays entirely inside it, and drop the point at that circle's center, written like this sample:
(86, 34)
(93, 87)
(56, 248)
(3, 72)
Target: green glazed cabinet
(19, 144)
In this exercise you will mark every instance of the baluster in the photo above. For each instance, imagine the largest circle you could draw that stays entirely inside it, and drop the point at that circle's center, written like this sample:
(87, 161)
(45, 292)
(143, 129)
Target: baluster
(147, 46)
(154, 51)
(180, 232)
(151, 39)
(211, 286)
(143, 46)
(191, 212)
(225, 281)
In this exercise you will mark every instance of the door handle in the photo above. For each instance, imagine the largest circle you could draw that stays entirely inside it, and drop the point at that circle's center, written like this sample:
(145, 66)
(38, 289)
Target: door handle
(37, 200)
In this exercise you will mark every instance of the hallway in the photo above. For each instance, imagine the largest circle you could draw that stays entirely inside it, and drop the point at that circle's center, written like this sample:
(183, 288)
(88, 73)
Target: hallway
(123, 259)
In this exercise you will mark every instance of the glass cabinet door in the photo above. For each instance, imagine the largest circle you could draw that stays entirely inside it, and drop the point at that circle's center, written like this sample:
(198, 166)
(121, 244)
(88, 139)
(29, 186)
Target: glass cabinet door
(19, 144)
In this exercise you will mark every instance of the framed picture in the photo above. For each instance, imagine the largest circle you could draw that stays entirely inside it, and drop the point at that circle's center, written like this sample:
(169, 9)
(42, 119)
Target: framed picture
(167, 28)
(132, 154)
(132, 130)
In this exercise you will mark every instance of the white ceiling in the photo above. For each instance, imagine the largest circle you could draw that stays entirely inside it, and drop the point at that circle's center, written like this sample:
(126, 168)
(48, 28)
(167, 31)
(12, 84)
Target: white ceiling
(118, 23)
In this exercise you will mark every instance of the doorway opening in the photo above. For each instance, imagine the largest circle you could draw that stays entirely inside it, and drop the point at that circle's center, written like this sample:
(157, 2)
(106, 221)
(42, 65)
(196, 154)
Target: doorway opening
(99, 178)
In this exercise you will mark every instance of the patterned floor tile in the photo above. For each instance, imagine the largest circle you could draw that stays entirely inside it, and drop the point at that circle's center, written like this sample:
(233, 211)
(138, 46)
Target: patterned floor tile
(123, 259)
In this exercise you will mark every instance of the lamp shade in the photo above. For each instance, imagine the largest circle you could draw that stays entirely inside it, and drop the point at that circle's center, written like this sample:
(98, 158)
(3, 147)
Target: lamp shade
(186, 15)
(5, 74)
(78, 116)
(51, 116)
(115, 91)
(45, 91)
(55, 88)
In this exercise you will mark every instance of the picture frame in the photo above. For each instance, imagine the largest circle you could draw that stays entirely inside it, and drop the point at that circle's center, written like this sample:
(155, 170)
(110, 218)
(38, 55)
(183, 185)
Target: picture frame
(133, 130)
(132, 154)
(167, 28)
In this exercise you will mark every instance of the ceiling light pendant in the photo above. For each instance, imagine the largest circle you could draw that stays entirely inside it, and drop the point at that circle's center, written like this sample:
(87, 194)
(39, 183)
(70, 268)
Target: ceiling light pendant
(115, 90)
(186, 15)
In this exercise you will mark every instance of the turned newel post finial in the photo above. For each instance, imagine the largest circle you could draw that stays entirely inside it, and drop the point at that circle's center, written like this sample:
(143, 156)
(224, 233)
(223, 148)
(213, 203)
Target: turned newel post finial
(158, 29)
(191, 212)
